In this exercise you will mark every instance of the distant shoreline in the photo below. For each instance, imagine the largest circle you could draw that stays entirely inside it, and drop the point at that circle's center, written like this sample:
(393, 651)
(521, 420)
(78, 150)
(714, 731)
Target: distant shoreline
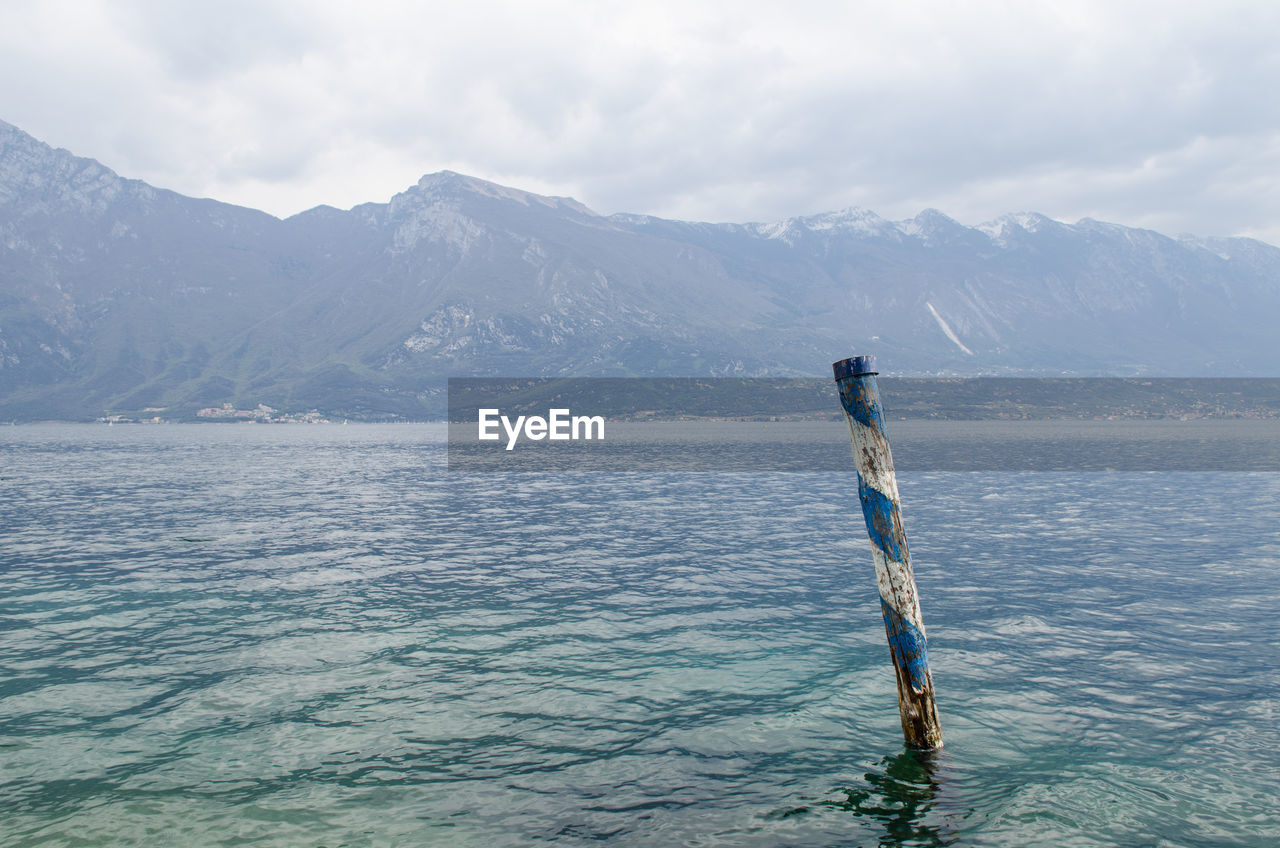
(778, 399)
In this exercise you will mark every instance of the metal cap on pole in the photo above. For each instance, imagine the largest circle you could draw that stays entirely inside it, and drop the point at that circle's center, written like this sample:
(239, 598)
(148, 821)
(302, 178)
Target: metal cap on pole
(899, 598)
(855, 366)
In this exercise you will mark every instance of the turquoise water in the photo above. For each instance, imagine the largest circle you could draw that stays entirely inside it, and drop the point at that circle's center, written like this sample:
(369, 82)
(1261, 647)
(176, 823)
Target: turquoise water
(316, 636)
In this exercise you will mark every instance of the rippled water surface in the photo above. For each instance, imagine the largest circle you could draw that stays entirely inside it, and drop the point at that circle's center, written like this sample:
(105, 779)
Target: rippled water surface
(316, 636)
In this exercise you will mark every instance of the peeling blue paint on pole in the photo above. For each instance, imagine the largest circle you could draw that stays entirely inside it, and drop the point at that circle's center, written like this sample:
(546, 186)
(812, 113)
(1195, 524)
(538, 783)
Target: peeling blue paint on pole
(899, 599)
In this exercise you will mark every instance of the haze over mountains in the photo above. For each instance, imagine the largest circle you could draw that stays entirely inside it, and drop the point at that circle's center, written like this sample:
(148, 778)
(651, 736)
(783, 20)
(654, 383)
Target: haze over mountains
(116, 296)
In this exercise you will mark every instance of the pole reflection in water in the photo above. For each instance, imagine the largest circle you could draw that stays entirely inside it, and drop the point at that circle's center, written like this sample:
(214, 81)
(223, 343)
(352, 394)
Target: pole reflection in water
(907, 795)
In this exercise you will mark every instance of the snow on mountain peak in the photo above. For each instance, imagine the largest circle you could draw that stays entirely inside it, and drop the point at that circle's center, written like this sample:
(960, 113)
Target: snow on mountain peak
(455, 185)
(1000, 229)
(853, 220)
(928, 224)
(782, 230)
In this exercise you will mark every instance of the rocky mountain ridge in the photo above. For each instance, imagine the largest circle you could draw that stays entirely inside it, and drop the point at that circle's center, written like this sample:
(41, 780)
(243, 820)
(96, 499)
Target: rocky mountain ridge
(118, 297)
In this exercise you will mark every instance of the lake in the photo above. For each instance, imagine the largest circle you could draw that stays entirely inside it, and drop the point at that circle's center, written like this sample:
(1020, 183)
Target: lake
(318, 635)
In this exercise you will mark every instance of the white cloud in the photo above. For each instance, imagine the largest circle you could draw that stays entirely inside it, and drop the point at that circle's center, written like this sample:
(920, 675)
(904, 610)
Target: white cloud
(1149, 114)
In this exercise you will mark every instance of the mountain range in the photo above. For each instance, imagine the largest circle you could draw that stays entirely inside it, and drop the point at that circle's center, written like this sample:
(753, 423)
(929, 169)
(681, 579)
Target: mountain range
(117, 297)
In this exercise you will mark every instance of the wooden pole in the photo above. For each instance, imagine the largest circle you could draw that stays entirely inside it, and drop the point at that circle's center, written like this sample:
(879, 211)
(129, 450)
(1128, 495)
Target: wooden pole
(899, 599)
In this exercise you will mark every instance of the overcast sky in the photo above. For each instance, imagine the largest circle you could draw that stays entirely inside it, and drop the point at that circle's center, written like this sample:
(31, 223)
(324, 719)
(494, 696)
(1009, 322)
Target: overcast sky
(1163, 115)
